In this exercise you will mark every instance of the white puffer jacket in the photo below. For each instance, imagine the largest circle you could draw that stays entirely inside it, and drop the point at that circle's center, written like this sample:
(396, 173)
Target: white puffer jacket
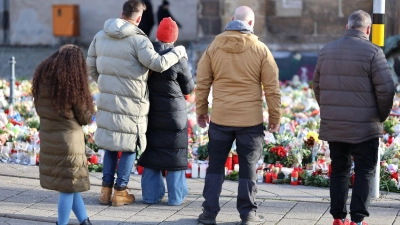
(119, 59)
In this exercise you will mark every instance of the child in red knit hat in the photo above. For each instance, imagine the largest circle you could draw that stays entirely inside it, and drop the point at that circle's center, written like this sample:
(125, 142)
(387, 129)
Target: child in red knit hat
(167, 130)
(167, 31)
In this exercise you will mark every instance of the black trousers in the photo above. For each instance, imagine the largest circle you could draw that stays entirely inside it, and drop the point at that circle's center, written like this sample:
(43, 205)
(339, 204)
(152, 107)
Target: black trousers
(249, 142)
(365, 157)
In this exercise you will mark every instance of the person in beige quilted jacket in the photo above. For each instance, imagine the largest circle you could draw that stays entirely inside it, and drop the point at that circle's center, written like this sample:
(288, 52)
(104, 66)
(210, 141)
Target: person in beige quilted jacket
(119, 59)
(238, 66)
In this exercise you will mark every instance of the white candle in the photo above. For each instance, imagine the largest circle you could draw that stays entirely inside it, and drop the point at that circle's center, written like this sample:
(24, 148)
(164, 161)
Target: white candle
(236, 168)
(203, 169)
(195, 170)
(33, 160)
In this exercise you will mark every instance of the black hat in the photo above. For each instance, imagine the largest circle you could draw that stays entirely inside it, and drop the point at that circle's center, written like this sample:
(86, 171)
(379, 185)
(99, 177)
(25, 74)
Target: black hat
(165, 2)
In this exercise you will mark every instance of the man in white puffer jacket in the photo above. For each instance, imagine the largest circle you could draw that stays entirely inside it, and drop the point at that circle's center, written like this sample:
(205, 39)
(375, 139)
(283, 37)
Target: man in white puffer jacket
(119, 59)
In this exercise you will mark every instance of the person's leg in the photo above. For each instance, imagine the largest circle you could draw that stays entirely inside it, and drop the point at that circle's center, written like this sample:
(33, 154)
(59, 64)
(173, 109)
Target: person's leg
(365, 157)
(177, 187)
(78, 207)
(153, 188)
(65, 202)
(124, 168)
(249, 143)
(339, 181)
(219, 145)
(109, 165)
(121, 196)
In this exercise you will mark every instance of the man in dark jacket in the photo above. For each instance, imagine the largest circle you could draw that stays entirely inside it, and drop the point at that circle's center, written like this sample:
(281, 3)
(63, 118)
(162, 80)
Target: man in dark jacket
(163, 12)
(354, 88)
(147, 22)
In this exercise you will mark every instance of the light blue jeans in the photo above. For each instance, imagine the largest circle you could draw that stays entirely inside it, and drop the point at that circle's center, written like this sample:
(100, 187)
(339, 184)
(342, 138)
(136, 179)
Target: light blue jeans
(68, 201)
(153, 187)
(124, 167)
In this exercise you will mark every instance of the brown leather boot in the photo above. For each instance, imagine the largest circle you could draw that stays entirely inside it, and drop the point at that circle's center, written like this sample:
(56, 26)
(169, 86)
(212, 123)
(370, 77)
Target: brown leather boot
(105, 195)
(121, 197)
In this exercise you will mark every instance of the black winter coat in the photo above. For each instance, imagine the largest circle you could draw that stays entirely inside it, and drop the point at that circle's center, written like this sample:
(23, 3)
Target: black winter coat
(167, 131)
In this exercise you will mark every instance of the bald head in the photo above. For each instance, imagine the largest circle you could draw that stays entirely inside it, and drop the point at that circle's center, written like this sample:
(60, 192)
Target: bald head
(244, 14)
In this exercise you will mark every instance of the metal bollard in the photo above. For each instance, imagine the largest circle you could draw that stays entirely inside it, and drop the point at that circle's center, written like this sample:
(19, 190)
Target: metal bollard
(12, 80)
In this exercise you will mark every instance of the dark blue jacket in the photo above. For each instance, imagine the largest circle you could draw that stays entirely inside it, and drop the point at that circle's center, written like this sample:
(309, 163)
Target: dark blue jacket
(167, 131)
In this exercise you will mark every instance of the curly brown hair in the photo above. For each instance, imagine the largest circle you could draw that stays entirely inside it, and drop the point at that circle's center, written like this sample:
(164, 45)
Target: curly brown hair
(65, 75)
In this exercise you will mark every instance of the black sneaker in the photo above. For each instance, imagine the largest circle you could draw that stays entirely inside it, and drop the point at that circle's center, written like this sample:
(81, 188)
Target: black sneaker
(206, 219)
(252, 219)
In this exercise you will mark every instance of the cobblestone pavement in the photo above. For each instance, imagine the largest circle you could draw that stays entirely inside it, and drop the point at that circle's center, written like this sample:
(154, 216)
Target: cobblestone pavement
(23, 201)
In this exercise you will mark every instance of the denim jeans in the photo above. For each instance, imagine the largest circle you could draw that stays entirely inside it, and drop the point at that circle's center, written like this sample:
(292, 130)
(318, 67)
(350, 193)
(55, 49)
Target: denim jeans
(153, 187)
(68, 201)
(249, 141)
(124, 168)
(365, 157)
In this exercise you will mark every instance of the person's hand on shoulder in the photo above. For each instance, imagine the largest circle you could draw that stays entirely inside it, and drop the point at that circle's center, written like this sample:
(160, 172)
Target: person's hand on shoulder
(203, 120)
(272, 127)
(181, 51)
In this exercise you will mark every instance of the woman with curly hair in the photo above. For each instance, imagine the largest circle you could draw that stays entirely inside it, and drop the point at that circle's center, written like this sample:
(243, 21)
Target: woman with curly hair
(64, 103)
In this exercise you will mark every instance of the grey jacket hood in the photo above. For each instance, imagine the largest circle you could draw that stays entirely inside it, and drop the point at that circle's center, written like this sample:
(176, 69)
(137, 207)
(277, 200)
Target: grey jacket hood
(120, 28)
(239, 25)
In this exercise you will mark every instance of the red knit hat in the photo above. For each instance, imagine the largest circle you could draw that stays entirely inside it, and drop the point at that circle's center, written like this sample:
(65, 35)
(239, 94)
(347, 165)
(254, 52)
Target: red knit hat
(167, 30)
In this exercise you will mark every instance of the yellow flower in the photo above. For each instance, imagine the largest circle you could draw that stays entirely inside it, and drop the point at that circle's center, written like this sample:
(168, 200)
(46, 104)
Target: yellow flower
(313, 134)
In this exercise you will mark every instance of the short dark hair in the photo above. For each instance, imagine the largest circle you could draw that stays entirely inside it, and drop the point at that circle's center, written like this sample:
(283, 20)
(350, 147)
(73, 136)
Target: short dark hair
(132, 6)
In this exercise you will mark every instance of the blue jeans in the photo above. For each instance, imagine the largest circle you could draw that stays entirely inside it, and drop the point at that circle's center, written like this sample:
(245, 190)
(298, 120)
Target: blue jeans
(153, 188)
(68, 201)
(124, 168)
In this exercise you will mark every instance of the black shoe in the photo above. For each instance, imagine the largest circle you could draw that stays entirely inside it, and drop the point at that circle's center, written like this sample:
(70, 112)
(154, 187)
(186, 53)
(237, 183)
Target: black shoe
(86, 222)
(206, 218)
(252, 219)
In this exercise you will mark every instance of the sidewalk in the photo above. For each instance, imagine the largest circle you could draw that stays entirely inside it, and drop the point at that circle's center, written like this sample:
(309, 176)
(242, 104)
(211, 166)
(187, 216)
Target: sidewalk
(23, 201)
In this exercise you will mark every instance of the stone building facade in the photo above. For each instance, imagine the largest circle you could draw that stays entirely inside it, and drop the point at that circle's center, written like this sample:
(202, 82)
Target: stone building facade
(293, 25)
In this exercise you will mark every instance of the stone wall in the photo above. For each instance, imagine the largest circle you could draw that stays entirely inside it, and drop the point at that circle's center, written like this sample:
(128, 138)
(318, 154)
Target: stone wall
(321, 22)
(295, 25)
(31, 21)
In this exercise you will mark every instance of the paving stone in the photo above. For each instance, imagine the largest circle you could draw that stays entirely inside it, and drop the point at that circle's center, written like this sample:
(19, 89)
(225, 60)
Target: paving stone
(123, 212)
(296, 221)
(104, 220)
(304, 210)
(44, 206)
(145, 220)
(24, 199)
(33, 214)
(24, 222)
(180, 219)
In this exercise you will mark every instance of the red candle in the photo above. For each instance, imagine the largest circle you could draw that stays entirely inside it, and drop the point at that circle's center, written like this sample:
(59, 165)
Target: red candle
(140, 169)
(390, 139)
(329, 170)
(94, 159)
(119, 155)
(274, 176)
(37, 159)
(395, 176)
(235, 159)
(228, 163)
(268, 177)
(188, 173)
(294, 177)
